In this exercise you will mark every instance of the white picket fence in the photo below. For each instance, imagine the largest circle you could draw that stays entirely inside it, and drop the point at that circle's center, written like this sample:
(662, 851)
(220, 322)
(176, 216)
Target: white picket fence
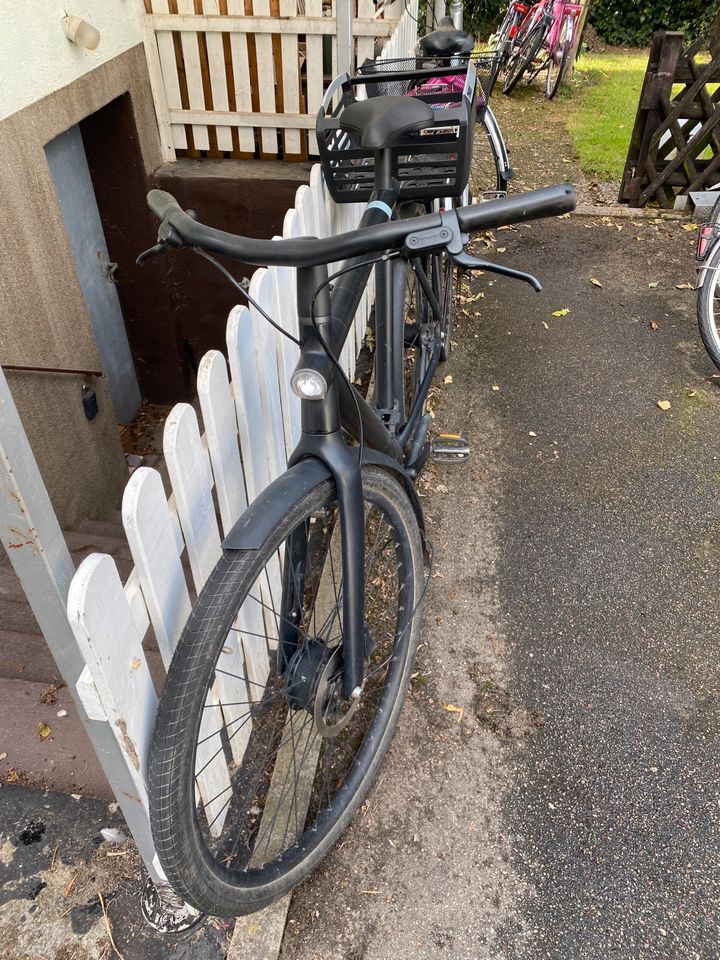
(251, 424)
(247, 79)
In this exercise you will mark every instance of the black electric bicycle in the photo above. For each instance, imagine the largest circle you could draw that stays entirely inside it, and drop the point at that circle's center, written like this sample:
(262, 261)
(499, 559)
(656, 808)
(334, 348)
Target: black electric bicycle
(325, 570)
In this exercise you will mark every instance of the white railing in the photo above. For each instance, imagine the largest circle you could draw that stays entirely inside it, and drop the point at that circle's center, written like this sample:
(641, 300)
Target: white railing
(251, 423)
(246, 85)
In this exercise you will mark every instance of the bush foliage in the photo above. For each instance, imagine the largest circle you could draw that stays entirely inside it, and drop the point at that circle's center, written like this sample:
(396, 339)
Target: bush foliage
(619, 22)
(616, 21)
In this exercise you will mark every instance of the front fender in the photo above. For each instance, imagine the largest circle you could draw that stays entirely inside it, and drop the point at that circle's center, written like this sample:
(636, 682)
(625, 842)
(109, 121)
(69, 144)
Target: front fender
(256, 524)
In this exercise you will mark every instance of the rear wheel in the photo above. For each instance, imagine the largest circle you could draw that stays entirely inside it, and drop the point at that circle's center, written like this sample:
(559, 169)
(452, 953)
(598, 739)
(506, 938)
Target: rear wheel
(708, 307)
(257, 762)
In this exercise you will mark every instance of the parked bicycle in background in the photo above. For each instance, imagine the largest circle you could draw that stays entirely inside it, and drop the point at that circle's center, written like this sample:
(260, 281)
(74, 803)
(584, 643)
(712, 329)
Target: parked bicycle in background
(504, 41)
(544, 42)
(708, 284)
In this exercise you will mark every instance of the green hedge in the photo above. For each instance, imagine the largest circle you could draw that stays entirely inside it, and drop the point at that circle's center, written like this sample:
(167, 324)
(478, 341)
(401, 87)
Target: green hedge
(616, 21)
(619, 22)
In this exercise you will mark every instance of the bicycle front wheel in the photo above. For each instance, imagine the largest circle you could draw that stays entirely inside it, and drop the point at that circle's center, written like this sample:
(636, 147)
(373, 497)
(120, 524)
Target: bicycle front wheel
(557, 59)
(708, 307)
(257, 763)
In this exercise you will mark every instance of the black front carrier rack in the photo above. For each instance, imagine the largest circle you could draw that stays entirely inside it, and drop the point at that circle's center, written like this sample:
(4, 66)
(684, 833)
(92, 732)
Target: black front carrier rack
(430, 164)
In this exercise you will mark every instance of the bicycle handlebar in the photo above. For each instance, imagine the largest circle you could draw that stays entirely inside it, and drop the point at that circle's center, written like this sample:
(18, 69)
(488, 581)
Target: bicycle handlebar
(179, 229)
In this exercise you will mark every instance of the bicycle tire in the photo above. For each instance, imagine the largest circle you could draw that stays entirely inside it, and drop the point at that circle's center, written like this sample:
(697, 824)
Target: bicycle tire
(487, 173)
(708, 306)
(524, 57)
(230, 873)
(552, 81)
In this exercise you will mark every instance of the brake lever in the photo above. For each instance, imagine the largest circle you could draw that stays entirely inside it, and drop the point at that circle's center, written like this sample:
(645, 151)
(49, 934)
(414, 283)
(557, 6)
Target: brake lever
(448, 235)
(168, 239)
(467, 262)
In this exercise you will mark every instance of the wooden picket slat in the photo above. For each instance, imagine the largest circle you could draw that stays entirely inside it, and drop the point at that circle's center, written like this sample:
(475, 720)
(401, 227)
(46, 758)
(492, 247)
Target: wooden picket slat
(218, 78)
(193, 75)
(151, 537)
(218, 412)
(241, 76)
(170, 80)
(314, 66)
(246, 392)
(261, 290)
(266, 79)
(364, 45)
(105, 630)
(290, 77)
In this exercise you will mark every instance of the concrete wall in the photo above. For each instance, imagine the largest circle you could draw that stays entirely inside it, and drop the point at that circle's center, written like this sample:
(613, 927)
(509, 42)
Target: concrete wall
(37, 58)
(44, 321)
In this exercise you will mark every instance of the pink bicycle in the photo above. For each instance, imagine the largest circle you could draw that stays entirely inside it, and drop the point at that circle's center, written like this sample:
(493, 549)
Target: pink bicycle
(549, 28)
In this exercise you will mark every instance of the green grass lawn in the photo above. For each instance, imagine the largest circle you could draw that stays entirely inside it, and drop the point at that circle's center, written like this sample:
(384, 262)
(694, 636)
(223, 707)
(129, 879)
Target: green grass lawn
(601, 103)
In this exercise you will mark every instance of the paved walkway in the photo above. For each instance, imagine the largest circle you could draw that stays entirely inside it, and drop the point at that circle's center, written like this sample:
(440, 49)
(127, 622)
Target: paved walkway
(573, 809)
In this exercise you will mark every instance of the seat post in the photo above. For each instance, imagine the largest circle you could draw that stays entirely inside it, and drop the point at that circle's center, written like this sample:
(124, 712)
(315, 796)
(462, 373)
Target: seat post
(383, 169)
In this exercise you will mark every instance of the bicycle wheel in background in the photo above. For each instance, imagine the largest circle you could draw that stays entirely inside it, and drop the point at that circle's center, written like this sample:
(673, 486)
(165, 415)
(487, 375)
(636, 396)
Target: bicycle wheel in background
(524, 56)
(257, 763)
(708, 307)
(558, 58)
(504, 43)
(485, 166)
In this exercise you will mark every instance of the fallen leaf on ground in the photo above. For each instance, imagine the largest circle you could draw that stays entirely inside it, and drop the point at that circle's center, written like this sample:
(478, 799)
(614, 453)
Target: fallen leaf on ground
(654, 326)
(451, 708)
(561, 313)
(595, 282)
(689, 227)
(653, 284)
(531, 433)
(501, 249)
(684, 286)
(664, 404)
(44, 730)
(692, 393)
(448, 379)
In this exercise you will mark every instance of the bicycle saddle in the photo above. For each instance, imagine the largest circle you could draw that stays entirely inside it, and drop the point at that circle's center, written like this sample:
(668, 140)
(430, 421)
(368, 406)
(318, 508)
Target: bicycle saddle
(383, 121)
(447, 41)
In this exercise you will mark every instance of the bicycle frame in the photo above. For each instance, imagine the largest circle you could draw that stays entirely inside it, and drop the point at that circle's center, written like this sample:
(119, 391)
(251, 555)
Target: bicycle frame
(561, 10)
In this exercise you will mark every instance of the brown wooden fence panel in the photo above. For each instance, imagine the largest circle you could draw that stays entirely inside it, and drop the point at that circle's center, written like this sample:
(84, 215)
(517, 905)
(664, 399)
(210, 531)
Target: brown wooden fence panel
(675, 144)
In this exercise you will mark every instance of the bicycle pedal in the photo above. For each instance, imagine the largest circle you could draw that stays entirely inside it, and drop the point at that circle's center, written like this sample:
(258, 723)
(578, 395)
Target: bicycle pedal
(450, 448)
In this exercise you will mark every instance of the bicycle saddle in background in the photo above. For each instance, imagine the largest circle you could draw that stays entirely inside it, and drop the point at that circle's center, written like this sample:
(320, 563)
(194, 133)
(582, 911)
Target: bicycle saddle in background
(446, 41)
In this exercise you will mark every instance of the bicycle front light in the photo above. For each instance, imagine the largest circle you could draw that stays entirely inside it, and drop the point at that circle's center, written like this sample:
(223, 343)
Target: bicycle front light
(308, 385)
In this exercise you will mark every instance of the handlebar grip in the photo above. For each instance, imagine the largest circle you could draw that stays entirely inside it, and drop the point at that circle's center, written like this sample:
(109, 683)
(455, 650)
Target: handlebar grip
(548, 202)
(161, 203)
